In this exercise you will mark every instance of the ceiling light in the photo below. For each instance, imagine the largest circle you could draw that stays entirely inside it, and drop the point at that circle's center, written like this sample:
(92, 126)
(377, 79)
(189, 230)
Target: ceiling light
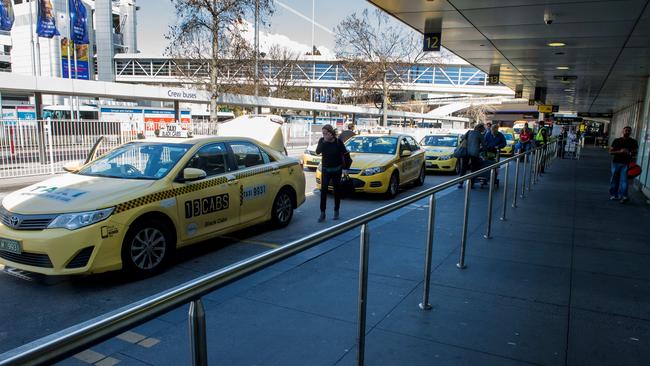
(568, 90)
(562, 67)
(556, 44)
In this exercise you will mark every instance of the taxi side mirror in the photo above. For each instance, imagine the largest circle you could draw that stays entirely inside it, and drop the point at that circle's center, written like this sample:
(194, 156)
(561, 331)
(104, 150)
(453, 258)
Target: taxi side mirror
(192, 174)
(72, 168)
(406, 153)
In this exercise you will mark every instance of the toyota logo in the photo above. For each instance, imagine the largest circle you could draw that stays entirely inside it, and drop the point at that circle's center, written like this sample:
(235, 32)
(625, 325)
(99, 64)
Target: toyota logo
(14, 221)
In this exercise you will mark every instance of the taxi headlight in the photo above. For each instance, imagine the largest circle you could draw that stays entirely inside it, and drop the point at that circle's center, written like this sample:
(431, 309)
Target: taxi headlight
(445, 157)
(77, 220)
(373, 171)
(310, 152)
(320, 167)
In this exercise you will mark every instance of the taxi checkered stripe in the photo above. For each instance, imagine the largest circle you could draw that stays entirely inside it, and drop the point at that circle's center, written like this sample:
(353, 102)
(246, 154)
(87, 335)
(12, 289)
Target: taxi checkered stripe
(170, 193)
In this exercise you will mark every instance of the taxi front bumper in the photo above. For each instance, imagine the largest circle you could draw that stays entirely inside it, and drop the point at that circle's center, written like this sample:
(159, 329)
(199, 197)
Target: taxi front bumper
(310, 161)
(377, 183)
(433, 163)
(92, 249)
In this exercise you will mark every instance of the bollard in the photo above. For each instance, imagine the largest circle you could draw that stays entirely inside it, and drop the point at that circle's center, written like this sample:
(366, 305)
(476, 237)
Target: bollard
(425, 305)
(198, 339)
(463, 241)
(364, 244)
(488, 229)
(505, 193)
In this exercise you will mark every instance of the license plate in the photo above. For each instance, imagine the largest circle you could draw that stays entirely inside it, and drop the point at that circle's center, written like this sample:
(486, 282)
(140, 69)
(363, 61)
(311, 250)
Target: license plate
(9, 245)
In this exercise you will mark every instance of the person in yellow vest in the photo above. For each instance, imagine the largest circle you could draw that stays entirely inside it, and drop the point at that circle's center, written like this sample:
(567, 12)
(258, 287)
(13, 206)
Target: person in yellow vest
(541, 139)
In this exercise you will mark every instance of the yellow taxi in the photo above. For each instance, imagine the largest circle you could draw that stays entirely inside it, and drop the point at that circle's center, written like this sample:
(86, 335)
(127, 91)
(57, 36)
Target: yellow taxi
(509, 149)
(439, 152)
(383, 163)
(310, 159)
(133, 207)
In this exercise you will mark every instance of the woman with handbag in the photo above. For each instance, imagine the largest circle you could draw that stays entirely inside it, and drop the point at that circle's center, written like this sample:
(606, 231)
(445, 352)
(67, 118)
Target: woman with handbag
(335, 158)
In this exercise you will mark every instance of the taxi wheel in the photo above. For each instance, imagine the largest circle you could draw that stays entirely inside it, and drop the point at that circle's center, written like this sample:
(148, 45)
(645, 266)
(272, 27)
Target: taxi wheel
(282, 210)
(457, 168)
(146, 248)
(420, 181)
(393, 186)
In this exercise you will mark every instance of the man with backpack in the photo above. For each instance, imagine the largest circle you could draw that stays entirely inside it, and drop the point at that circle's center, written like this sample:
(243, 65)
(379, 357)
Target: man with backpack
(474, 142)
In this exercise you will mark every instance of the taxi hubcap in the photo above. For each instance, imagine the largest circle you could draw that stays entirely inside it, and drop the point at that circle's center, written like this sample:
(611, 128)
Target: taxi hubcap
(283, 210)
(148, 248)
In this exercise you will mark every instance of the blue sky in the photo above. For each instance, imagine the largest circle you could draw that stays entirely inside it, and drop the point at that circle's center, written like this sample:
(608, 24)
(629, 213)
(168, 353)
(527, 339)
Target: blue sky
(155, 16)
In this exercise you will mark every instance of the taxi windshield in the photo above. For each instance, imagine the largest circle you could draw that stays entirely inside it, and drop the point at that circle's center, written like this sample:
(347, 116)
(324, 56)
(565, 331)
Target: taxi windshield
(372, 144)
(447, 141)
(137, 161)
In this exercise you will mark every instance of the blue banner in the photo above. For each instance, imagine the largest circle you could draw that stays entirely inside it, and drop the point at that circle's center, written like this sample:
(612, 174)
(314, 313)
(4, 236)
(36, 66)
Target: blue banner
(46, 22)
(6, 15)
(78, 33)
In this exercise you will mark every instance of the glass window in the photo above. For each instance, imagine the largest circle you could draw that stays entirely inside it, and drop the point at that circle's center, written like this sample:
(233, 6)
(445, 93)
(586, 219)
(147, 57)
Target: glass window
(247, 154)
(414, 145)
(213, 159)
(137, 161)
(447, 141)
(372, 144)
(404, 145)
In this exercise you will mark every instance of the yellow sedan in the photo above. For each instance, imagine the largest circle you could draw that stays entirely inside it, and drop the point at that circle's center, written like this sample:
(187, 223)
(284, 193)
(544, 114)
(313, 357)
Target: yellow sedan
(310, 159)
(508, 150)
(383, 163)
(439, 152)
(134, 206)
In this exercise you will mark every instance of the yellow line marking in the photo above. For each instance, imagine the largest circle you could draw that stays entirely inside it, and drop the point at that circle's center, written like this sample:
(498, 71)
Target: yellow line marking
(108, 361)
(256, 242)
(89, 356)
(131, 337)
(149, 342)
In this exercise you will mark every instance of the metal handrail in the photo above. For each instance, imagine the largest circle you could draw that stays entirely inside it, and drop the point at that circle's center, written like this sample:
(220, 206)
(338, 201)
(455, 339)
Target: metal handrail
(72, 340)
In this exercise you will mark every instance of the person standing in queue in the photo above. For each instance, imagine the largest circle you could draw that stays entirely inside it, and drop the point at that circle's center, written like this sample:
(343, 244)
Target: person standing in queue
(475, 142)
(623, 150)
(332, 150)
(345, 135)
(525, 137)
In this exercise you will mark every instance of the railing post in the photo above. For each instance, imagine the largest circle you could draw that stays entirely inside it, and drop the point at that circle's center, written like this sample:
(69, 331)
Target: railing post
(364, 244)
(424, 305)
(531, 170)
(505, 193)
(463, 241)
(198, 339)
(523, 177)
(514, 197)
(488, 229)
(48, 131)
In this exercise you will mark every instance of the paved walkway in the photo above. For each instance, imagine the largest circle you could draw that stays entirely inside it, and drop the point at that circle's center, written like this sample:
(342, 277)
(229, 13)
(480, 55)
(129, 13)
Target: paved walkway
(564, 281)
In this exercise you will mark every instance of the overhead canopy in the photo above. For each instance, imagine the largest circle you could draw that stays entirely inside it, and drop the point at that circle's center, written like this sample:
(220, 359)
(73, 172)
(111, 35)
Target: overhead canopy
(607, 45)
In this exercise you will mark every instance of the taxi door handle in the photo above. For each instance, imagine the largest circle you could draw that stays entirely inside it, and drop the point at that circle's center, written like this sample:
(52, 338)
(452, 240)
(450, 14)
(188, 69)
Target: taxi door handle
(233, 182)
(275, 172)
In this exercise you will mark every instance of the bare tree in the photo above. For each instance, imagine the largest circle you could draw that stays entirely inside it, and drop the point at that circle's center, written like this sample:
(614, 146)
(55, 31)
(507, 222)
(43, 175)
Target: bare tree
(278, 75)
(376, 49)
(478, 112)
(210, 30)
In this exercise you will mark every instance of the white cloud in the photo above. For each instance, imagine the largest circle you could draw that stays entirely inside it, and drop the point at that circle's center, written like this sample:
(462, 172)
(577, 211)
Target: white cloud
(267, 40)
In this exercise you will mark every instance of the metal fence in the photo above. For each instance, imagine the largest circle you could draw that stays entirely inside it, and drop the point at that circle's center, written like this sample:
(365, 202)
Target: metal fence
(31, 147)
(68, 342)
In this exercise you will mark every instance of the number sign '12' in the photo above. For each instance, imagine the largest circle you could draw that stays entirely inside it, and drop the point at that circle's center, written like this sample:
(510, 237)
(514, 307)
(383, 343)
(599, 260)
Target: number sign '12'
(432, 41)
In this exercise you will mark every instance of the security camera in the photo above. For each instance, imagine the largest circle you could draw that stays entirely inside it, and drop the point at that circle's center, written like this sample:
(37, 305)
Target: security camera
(548, 17)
